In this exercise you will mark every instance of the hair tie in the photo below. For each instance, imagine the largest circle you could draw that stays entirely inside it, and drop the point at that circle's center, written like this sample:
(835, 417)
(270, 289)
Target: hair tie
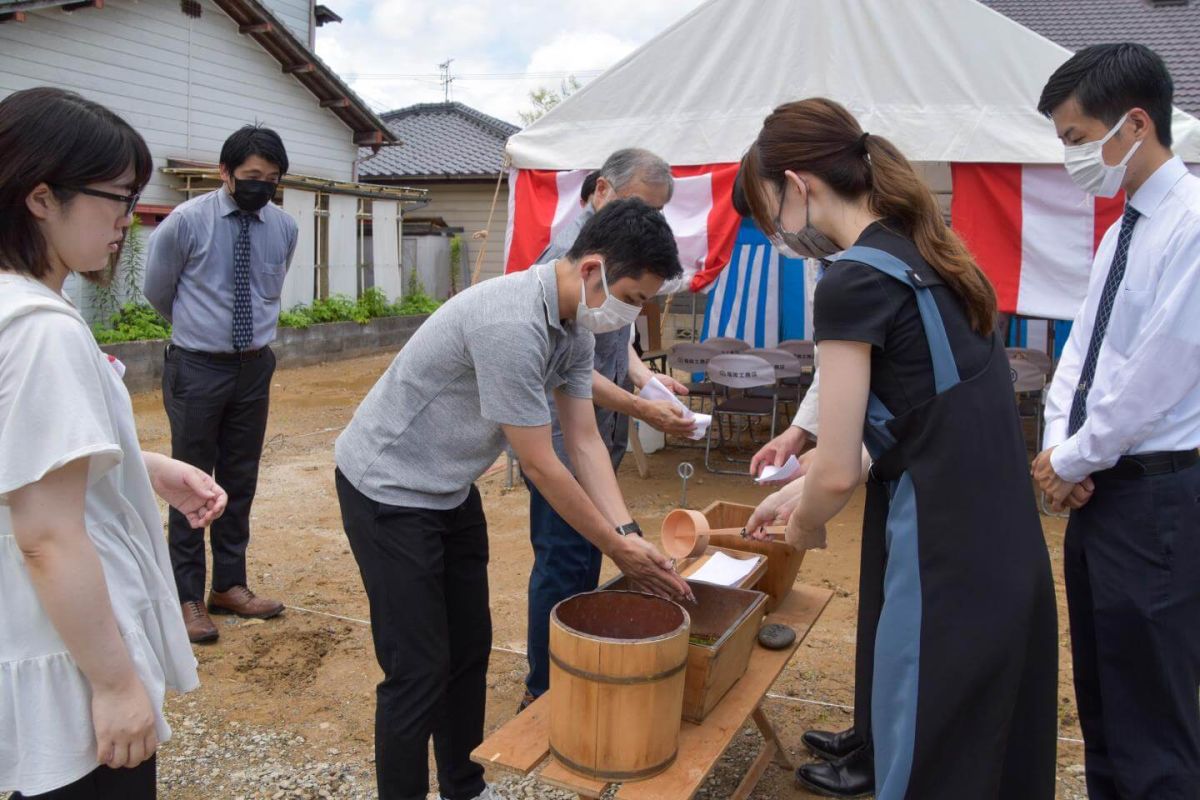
(862, 142)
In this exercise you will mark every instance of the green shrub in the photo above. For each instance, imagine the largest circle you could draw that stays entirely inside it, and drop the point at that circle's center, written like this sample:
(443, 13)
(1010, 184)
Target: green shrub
(338, 308)
(415, 300)
(299, 316)
(374, 303)
(138, 321)
(133, 323)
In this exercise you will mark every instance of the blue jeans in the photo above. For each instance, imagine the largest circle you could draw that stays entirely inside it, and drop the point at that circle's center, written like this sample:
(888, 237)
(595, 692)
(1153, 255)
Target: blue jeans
(564, 564)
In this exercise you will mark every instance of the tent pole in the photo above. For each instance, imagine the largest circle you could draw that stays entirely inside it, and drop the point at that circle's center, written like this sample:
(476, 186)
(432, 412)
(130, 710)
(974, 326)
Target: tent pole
(693, 316)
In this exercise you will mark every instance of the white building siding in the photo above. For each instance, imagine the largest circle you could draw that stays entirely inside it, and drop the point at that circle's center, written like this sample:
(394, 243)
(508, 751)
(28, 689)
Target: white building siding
(296, 14)
(466, 205)
(184, 83)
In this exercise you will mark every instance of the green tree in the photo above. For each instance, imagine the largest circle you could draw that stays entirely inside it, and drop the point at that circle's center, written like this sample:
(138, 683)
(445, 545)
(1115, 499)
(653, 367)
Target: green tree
(544, 99)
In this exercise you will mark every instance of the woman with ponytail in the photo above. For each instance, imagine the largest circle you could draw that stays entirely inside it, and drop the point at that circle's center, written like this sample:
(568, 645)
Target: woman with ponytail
(957, 656)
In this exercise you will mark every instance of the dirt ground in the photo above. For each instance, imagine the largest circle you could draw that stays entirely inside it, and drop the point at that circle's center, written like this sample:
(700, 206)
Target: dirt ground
(308, 679)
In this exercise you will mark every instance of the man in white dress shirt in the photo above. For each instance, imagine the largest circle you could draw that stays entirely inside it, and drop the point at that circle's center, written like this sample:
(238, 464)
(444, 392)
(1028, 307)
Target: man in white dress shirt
(1122, 428)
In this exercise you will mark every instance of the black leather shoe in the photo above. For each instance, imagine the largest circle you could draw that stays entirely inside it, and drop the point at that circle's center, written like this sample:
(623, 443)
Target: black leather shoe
(851, 776)
(832, 746)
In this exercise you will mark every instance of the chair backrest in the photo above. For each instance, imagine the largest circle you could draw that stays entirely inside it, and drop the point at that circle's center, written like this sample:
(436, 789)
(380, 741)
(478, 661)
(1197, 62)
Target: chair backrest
(1040, 358)
(740, 371)
(803, 349)
(723, 345)
(786, 364)
(1026, 376)
(689, 357)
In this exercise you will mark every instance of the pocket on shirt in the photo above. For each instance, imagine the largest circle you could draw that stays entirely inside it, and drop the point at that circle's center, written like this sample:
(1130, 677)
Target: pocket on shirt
(271, 278)
(1128, 319)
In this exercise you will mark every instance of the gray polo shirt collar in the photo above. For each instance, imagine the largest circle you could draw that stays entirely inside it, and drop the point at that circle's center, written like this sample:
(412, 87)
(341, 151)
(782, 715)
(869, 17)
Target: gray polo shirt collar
(230, 206)
(549, 280)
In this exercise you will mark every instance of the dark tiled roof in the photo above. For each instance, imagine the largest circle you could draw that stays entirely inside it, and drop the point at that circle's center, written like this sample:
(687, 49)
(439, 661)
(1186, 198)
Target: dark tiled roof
(440, 139)
(1170, 29)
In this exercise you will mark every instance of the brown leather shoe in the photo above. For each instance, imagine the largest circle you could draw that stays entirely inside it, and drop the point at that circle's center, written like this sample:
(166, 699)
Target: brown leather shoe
(243, 602)
(199, 625)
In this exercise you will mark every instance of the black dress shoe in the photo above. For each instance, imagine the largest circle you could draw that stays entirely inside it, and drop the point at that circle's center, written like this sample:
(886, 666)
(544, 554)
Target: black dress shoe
(851, 776)
(832, 746)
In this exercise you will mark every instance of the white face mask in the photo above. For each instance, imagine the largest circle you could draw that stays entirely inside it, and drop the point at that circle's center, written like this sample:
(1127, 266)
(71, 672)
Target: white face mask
(612, 315)
(1085, 164)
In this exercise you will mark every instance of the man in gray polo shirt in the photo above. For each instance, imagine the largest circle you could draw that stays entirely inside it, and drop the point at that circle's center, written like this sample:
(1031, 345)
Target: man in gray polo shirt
(564, 562)
(474, 376)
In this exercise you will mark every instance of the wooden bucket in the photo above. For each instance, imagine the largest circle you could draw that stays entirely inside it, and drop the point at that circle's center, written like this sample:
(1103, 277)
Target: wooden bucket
(617, 662)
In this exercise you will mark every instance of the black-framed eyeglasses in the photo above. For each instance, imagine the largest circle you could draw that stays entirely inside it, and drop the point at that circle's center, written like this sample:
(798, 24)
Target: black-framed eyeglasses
(130, 200)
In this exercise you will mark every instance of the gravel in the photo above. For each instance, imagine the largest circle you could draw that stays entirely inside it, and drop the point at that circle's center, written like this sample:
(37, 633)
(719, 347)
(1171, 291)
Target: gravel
(212, 757)
(209, 756)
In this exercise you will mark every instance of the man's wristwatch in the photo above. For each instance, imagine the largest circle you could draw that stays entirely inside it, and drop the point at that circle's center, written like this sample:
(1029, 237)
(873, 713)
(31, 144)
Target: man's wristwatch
(628, 528)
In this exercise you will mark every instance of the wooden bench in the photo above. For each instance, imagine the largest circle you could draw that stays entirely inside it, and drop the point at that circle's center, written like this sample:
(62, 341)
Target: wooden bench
(522, 745)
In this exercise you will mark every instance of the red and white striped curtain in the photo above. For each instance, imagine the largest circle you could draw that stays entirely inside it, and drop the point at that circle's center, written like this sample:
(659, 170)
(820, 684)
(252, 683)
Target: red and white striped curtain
(1031, 229)
(700, 213)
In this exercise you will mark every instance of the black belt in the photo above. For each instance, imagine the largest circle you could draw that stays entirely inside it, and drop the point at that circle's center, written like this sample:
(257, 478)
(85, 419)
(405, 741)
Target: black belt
(1145, 465)
(239, 356)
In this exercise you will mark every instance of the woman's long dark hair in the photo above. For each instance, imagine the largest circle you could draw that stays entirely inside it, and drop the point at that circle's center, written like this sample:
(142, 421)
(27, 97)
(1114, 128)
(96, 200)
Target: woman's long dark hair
(819, 136)
(56, 137)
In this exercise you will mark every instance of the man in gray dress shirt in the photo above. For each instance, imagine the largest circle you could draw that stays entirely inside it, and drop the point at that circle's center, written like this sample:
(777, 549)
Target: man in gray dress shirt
(215, 269)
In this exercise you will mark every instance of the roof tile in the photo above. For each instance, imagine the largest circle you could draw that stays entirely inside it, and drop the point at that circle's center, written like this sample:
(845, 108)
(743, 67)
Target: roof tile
(1172, 31)
(440, 139)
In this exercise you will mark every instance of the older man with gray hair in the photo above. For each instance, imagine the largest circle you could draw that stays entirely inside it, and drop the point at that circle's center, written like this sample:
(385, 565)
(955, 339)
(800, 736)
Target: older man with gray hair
(565, 563)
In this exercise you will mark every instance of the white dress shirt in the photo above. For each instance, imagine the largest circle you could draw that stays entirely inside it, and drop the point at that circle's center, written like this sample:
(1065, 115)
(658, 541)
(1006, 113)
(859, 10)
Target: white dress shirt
(1145, 396)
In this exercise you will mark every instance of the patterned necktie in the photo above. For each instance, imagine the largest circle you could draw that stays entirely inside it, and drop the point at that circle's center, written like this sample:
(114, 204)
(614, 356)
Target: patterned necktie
(1116, 273)
(243, 323)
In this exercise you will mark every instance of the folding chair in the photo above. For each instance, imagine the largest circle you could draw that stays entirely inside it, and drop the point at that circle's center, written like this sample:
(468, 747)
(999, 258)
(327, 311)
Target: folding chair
(1029, 388)
(789, 371)
(693, 358)
(1038, 358)
(803, 349)
(739, 371)
(724, 345)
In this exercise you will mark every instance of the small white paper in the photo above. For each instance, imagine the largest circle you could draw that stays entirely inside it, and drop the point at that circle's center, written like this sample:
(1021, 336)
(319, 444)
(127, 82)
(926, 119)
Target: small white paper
(654, 390)
(725, 570)
(781, 473)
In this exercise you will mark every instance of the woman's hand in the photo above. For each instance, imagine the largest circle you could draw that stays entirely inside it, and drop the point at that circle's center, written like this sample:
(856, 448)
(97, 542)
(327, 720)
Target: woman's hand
(189, 490)
(775, 509)
(124, 723)
(789, 443)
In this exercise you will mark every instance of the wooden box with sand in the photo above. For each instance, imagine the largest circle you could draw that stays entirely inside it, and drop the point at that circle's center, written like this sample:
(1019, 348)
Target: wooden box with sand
(724, 628)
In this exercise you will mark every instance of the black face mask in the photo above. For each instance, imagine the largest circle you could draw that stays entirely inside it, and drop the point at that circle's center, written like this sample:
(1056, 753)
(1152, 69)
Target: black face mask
(252, 195)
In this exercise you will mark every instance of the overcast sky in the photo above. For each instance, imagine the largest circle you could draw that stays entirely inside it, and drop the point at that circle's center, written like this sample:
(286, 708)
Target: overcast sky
(389, 50)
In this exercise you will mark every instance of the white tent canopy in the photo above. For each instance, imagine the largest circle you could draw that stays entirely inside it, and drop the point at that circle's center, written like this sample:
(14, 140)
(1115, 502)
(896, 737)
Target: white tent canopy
(945, 80)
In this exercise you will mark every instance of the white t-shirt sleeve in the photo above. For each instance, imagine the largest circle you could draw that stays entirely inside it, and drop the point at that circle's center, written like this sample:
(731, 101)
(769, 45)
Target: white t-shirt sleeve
(53, 406)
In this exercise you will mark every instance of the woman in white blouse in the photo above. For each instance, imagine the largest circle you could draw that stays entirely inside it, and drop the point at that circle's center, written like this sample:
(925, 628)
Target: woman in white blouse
(90, 632)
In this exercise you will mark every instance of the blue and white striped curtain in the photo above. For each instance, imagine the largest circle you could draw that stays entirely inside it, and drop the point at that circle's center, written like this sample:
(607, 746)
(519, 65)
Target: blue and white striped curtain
(760, 297)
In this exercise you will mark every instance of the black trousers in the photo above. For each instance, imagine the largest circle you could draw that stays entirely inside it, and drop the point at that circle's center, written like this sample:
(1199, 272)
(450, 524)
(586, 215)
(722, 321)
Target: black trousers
(425, 573)
(218, 415)
(1132, 564)
(106, 783)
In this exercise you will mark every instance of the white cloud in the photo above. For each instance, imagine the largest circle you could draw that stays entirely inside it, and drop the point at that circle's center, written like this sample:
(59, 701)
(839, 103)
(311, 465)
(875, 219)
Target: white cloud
(388, 50)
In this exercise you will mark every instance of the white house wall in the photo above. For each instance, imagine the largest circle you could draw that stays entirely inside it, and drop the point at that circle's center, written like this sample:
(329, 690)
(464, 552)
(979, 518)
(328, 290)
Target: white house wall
(298, 286)
(184, 83)
(295, 14)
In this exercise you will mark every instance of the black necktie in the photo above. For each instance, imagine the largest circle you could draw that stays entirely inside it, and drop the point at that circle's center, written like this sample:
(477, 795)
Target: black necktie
(1112, 283)
(243, 322)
